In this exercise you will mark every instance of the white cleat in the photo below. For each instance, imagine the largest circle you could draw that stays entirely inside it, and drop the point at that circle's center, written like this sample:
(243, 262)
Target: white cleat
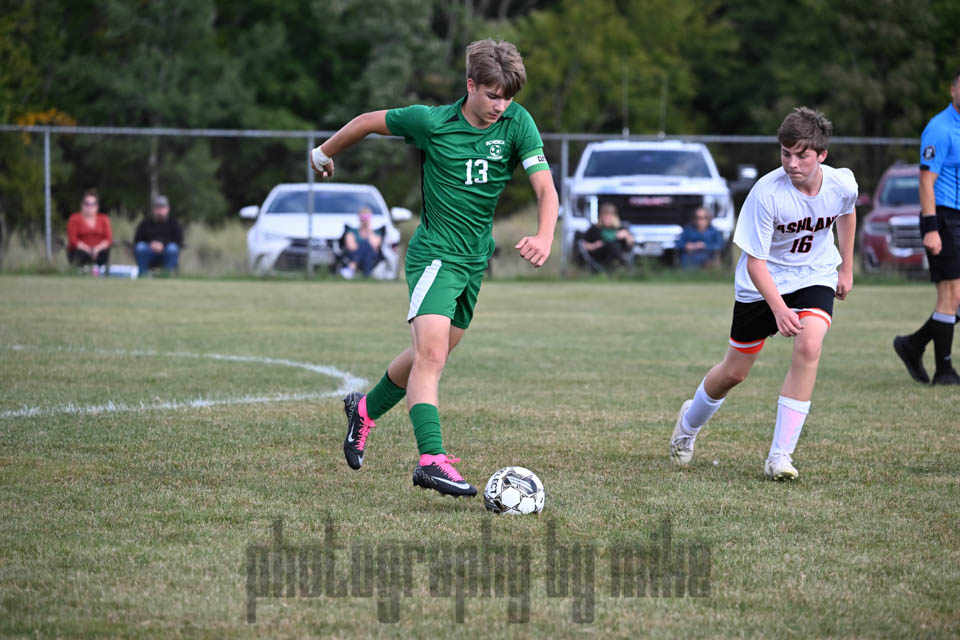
(681, 446)
(780, 468)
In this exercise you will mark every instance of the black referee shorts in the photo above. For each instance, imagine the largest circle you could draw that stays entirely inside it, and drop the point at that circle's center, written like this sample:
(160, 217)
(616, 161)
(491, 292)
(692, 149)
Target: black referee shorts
(946, 265)
(754, 322)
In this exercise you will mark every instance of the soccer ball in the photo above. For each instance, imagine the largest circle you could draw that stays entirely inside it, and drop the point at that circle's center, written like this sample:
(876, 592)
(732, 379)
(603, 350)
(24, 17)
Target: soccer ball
(514, 490)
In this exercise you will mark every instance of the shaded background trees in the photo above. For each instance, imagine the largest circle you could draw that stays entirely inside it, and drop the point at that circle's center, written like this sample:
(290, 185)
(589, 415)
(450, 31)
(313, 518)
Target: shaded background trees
(599, 66)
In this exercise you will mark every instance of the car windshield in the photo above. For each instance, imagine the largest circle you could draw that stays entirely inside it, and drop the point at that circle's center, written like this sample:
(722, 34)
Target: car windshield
(646, 162)
(332, 202)
(901, 190)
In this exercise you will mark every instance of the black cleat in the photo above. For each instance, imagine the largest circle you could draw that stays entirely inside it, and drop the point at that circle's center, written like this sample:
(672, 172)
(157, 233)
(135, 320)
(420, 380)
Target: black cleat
(358, 426)
(912, 359)
(946, 377)
(437, 473)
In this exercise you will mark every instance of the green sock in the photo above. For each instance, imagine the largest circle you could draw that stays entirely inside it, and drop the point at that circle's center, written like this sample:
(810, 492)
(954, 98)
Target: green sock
(383, 397)
(426, 427)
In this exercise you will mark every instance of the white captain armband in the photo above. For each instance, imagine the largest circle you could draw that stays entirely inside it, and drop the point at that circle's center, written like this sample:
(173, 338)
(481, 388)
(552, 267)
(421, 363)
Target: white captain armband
(535, 162)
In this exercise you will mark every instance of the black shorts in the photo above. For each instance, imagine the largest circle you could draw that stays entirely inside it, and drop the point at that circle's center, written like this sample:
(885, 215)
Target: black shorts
(753, 322)
(946, 265)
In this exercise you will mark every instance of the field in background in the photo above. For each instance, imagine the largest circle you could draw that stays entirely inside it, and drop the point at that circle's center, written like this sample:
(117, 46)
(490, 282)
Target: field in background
(127, 508)
(210, 251)
(217, 251)
(222, 252)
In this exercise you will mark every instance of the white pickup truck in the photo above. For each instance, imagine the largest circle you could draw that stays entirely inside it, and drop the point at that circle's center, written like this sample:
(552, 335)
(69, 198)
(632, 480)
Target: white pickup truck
(656, 185)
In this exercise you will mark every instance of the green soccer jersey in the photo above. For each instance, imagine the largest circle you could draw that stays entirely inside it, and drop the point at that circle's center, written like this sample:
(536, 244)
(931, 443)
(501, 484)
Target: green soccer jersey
(464, 171)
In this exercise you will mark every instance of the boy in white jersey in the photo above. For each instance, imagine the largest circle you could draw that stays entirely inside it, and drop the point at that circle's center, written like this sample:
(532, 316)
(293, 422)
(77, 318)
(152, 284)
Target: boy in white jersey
(786, 280)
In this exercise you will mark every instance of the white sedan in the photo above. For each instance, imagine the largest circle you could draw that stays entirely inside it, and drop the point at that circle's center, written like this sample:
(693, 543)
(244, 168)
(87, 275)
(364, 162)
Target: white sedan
(277, 241)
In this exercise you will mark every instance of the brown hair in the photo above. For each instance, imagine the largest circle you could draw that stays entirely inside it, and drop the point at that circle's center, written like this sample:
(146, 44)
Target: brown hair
(806, 127)
(496, 63)
(91, 193)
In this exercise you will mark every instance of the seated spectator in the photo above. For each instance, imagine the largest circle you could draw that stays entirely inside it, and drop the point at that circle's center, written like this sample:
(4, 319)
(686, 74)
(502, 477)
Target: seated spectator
(158, 239)
(89, 234)
(607, 243)
(699, 243)
(361, 246)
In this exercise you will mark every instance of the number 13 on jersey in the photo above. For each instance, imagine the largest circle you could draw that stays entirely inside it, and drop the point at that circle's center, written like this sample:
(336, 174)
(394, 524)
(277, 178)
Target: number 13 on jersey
(479, 165)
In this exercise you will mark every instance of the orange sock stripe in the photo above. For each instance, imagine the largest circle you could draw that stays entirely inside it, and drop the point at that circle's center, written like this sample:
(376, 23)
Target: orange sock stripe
(818, 313)
(747, 347)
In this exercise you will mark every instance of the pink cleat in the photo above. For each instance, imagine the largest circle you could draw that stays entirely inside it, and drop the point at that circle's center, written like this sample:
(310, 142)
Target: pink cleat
(358, 427)
(436, 472)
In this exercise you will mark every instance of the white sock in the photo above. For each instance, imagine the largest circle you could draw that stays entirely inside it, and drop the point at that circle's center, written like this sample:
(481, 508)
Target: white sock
(790, 416)
(700, 411)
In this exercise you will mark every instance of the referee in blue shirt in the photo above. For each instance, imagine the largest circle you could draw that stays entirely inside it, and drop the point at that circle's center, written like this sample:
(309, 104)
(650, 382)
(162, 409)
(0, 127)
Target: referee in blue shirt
(940, 228)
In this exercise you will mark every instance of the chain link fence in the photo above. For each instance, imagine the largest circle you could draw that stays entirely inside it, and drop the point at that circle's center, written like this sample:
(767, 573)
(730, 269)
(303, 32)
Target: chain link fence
(209, 181)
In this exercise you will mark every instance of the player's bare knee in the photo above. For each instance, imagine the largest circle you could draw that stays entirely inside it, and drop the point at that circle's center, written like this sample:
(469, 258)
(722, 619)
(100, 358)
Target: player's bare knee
(434, 357)
(954, 289)
(807, 349)
(737, 375)
(735, 368)
(948, 293)
(731, 374)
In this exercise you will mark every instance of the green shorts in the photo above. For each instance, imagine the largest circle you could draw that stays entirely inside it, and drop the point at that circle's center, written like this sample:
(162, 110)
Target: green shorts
(443, 288)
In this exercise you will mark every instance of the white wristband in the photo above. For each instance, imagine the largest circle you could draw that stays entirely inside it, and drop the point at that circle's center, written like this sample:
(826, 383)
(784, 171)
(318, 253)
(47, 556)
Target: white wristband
(320, 159)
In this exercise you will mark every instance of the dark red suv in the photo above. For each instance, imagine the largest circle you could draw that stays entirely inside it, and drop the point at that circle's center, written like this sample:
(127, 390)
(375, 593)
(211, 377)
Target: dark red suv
(890, 233)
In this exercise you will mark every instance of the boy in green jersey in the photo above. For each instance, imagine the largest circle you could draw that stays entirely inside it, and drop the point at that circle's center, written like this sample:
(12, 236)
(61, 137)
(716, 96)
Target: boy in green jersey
(469, 150)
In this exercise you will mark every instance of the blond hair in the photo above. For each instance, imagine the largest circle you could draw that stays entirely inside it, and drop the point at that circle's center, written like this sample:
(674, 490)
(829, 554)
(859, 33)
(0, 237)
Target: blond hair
(609, 207)
(496, 64)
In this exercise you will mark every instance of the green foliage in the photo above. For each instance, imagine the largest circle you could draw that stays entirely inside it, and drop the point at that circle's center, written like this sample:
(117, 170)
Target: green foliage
(872, 67)
(19, 77)
(153, 64)
(579, 60)
(27, 45)
(605, 66)
(283, 49)
(195, 165)
(875, 69)
(21, 182)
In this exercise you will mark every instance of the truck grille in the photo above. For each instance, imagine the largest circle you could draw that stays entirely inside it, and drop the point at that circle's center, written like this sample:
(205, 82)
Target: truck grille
(905, 236)
(654, 208)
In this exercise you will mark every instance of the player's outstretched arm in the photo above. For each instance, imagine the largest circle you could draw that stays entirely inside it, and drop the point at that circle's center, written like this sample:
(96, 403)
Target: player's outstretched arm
(788, 322)
(321, 158)
(536, 249)
(846, 233)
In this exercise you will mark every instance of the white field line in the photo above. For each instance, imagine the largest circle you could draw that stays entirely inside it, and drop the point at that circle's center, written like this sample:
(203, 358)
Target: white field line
(348, 383)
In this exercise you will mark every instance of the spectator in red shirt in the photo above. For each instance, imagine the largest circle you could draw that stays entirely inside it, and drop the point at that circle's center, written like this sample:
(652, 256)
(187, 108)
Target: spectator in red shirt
(89, 234)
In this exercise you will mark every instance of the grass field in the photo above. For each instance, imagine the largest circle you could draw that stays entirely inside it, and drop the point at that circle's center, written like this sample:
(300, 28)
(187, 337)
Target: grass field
(152, 431)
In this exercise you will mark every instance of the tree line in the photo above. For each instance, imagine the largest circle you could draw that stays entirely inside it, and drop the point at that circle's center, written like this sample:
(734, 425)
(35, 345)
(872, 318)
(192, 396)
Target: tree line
(596, 66)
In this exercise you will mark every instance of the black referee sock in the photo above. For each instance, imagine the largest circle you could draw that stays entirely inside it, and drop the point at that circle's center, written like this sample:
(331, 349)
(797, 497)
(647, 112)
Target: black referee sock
(942, 330)
(919, 339)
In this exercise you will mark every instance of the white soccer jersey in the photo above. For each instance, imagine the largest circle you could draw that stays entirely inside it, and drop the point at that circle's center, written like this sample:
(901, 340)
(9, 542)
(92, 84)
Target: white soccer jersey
(792, 232)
